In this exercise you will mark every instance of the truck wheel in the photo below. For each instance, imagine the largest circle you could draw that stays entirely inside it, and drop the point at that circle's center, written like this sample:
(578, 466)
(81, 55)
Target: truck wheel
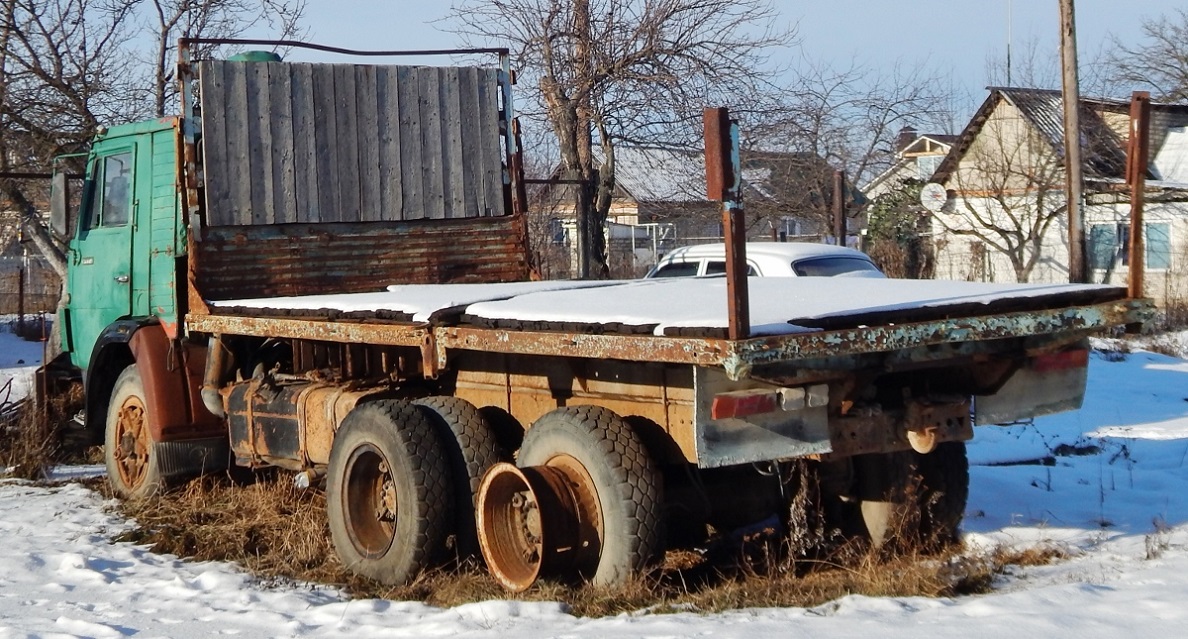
(388, 494)
(133, 467)
(914, 499)
(473, 452)
(942, 494)
(612, 481)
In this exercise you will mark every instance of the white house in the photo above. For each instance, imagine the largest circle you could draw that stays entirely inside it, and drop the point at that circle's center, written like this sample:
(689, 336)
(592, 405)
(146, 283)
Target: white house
(1006, 217)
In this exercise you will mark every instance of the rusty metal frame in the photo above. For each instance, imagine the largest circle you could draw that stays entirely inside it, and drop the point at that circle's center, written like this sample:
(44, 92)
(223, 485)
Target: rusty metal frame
(314, 329)
(736, 357)
(297, 44)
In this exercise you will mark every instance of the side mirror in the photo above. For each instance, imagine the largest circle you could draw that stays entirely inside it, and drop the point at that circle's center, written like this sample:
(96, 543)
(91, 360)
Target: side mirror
(60, 204)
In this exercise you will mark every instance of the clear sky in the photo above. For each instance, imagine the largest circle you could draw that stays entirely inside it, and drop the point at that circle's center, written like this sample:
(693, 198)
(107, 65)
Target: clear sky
(955, 37)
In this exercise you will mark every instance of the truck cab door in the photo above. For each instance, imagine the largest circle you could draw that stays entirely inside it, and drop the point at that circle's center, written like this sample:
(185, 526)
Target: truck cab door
(100, 282)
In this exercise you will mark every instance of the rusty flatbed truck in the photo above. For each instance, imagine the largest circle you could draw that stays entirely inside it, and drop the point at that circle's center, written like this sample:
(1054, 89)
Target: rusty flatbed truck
(322, 267)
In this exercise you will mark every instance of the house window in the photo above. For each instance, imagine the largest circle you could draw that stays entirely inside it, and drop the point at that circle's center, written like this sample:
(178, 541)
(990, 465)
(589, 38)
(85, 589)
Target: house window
(557, 232)
(926, 165)
(1109, 245)
(1158, 245)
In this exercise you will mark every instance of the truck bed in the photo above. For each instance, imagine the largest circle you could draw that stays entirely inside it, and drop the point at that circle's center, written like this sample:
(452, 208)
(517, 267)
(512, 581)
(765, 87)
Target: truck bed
(679, 306)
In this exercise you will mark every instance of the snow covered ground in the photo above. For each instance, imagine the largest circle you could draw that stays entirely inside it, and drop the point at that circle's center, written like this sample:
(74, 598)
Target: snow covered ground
(18, 360)
(1122, 511)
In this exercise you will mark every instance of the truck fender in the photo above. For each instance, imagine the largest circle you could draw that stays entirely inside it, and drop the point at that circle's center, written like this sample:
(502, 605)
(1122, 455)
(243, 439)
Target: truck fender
(110, 355)
(171, 373)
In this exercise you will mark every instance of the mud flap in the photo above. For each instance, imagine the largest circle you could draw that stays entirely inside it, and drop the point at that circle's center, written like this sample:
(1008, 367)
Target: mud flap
(1047, 384)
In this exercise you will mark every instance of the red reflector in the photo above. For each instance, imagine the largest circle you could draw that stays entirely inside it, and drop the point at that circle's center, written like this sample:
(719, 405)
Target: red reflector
(743, 403)
(1060, 361)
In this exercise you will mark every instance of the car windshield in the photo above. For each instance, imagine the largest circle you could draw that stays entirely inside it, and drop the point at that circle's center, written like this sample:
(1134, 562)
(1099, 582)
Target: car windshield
(831, 266)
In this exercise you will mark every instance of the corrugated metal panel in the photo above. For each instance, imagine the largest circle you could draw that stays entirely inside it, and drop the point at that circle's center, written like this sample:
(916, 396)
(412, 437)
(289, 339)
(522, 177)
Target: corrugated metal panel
(281, 260)
(304, 143)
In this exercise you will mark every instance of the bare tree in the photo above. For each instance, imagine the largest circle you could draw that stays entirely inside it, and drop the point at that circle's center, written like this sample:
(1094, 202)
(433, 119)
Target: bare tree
(171, 19)
(1159, 62)
(609, 71)
(1010, 185)
(849, 118)
(63, 76)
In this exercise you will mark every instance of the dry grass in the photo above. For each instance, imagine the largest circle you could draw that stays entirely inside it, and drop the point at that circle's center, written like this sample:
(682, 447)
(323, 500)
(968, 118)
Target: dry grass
(34, 439)
(28, 445)
(280, 533)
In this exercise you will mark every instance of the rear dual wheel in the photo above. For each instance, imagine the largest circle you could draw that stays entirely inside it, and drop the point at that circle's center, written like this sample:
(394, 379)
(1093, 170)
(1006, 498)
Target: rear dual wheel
(470, 450)
(390, 496)
(914, 499)
(584, 503)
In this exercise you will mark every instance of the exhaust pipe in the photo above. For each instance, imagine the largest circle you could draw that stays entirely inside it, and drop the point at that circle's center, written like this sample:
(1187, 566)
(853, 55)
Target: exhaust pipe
(217, 359)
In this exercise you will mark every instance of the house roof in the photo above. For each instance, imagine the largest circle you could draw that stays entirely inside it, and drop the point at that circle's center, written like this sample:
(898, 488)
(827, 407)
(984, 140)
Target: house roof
(902, 161)
(673, 175)
(1103, 124)
(660, 174)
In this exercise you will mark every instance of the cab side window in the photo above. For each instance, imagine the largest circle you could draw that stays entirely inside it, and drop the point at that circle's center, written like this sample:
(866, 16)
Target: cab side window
(111, 197)
(677, 269)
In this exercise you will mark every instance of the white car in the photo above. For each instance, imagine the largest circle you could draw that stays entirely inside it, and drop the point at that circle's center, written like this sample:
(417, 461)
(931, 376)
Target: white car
(769, 259)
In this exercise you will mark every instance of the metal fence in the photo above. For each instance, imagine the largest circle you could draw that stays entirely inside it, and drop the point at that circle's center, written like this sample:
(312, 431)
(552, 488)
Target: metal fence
(28, 285)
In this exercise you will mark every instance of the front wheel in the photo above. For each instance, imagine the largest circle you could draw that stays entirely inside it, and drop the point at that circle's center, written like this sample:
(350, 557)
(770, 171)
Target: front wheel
(389, 495)
(133, 465)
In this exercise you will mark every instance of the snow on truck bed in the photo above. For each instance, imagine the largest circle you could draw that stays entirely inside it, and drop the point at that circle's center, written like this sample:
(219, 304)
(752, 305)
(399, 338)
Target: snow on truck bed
(778, 305)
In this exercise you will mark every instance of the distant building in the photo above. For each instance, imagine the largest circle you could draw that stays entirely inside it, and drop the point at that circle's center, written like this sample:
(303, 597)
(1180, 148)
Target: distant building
(660, 201)
(1005, 175)
(917, 157)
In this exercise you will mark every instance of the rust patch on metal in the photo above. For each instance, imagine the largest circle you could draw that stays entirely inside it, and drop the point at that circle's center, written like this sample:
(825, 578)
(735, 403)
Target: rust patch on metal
(638, 348)
(307, 259)
(865, 430)
(312, 329)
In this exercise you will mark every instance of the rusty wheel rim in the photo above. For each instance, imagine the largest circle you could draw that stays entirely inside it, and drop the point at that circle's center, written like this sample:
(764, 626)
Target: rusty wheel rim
(539, 521)
(590, 529)
(132, 443)
(370, 496)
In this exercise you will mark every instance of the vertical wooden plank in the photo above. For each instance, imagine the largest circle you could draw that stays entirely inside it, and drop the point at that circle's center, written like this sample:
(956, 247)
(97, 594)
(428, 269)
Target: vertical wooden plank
(305, 153)
(432, 171)
(388, 134)
(470, 145)
(259, 126)
(453, 161)
(347, 141)
(283, 143)
(325, 171)
(368, 140)
(410, 144)
(214, 140)
(239, 171)
(491, 150)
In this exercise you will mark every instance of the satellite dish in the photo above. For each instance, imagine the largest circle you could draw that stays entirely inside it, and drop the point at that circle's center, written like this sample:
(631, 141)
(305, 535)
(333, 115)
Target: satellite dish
(933, 196)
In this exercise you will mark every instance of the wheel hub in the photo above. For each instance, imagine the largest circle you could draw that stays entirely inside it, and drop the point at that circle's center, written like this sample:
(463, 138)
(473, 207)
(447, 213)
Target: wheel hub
(132, 443)
(540, 521)
(372, 501)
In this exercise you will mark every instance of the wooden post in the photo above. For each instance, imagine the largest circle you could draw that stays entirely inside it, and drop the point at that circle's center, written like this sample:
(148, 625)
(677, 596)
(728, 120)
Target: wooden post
(1072, 144)
(722, 181)
(1137, 147)
(839, 206)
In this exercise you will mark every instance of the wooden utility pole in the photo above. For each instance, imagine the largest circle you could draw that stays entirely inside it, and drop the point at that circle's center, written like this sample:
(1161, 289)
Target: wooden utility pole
(1072, 144)
(1137, 148)
(839, 206)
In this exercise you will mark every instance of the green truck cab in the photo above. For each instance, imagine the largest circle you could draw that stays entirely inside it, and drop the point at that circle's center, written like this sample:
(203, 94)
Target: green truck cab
(119, 318)
(124, 255)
